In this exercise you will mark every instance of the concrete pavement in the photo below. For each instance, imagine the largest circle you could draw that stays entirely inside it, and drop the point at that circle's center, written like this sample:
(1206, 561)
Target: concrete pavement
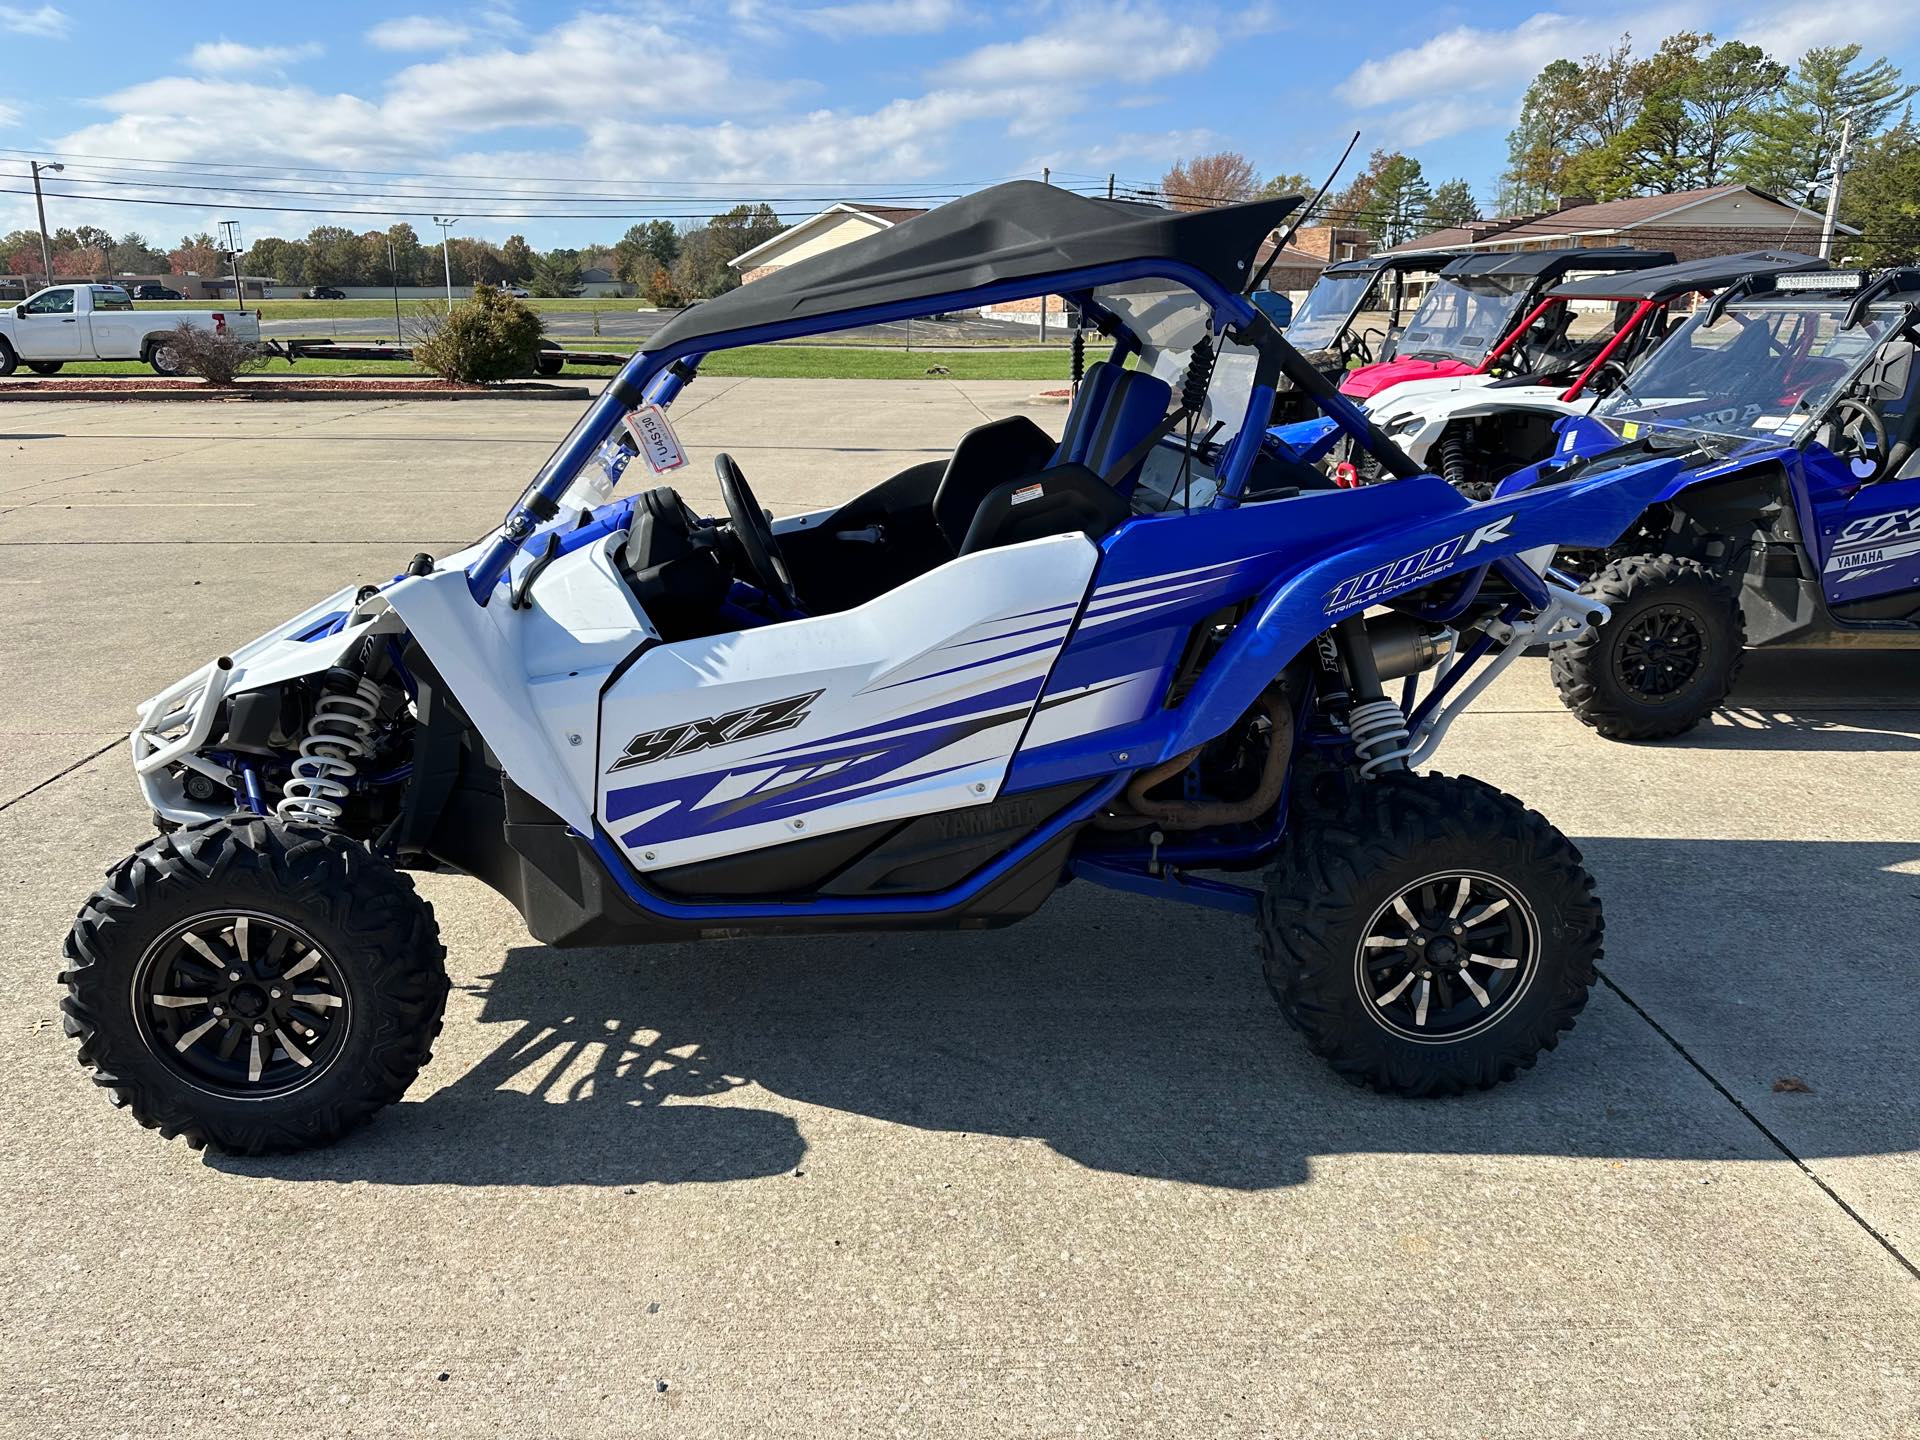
(1071, 1177)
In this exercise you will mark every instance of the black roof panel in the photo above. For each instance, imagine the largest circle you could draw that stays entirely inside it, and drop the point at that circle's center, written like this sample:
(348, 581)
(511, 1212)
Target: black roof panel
(1549, 264)
(1022, 230)
(1714, 272)
(1404, 260)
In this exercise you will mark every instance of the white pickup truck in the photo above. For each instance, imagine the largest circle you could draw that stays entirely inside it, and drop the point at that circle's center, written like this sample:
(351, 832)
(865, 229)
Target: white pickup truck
(99, 322)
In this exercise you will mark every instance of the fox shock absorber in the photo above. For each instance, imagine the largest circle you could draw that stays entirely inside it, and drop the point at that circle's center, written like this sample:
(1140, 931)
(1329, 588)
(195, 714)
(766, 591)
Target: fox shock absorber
(1375, 725)
(338, 738)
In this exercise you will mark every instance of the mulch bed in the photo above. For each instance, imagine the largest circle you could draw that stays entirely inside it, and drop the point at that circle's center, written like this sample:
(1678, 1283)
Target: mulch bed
(316, 388)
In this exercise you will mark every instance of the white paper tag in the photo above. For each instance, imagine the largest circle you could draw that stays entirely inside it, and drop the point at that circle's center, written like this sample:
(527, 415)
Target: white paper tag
(653, 434)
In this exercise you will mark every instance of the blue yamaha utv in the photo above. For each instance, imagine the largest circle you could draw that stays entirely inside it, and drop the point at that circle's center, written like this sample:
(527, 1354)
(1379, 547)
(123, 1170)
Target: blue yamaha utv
(1147, 654)
(1786, 415)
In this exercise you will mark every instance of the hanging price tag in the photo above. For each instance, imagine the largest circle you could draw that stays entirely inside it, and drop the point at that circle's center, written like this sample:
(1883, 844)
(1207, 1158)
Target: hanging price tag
(653, 435)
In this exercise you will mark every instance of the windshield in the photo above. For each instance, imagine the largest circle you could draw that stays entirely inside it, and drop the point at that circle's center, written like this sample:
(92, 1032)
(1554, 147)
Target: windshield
(1760, 371)
(1463, 320)
(1323, 314)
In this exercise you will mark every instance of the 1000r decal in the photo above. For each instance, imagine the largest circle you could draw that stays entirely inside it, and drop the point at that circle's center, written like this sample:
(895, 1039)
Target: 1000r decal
(1411, 570)
(691, 735)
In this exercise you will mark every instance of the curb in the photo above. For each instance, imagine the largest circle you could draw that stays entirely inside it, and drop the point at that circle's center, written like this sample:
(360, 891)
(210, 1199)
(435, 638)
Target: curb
(29, 391)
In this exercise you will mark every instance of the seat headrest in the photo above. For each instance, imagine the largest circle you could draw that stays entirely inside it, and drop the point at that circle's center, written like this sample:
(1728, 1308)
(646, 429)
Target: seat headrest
(1115, 410)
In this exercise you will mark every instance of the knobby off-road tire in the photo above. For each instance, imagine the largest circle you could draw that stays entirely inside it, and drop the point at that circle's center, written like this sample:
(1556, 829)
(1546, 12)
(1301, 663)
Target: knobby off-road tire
(1414, 840)
(338, 920)
(1667, 658)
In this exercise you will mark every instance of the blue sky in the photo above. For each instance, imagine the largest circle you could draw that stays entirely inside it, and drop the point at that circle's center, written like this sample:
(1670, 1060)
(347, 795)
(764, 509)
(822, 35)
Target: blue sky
(681, 113)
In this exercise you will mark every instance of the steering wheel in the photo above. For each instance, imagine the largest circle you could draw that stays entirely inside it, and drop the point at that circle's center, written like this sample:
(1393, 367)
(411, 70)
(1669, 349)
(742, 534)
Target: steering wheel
(1609, 377)
(1865, 422)
(755, 534)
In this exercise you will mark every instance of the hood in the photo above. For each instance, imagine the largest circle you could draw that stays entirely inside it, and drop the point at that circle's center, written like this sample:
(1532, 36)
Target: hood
(1370, 380)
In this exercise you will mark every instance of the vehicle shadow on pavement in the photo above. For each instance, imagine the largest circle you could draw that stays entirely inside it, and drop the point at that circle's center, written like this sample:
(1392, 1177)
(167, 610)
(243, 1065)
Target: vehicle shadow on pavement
(1845, 700)
(1139, 1039)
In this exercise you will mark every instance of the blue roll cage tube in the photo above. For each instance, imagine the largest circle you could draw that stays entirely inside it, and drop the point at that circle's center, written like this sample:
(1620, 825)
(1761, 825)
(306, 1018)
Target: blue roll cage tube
(658, 376)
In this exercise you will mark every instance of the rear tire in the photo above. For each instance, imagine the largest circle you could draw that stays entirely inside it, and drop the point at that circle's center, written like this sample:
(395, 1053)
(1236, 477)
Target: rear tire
(254, 986)
(1515, 934)
(45, 367)
(163, 358)
(1666, 659)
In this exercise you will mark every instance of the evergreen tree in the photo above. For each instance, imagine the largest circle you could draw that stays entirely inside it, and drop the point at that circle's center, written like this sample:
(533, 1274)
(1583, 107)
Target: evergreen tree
(1791, 149)
(1452, 203)
(555, 275)
(1882, 197)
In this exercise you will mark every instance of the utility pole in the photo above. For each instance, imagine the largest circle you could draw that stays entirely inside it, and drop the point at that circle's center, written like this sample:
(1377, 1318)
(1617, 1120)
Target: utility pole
(231, 233)
(1109, 187)
(46, 249)
(446, 224)
(1046, 178)
(393, 279)
(1833, 187)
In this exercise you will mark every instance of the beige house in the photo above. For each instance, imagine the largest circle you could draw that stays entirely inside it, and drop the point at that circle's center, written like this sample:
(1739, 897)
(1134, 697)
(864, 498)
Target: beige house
(833, 227)
(1693, 224)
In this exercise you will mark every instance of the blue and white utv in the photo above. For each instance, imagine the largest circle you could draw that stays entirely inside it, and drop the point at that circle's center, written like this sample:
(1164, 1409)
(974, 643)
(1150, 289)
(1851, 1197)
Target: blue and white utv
(1785, 418)
(1139, 655)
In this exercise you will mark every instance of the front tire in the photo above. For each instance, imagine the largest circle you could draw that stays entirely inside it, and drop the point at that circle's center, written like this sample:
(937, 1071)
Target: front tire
(1666, 659)
(1432, 936)
(254, 986)
(9, 361)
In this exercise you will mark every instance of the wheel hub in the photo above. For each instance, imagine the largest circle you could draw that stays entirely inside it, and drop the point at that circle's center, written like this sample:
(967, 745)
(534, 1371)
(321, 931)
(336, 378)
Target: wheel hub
(1661, 652)
(241, 1004)
(1446, 956)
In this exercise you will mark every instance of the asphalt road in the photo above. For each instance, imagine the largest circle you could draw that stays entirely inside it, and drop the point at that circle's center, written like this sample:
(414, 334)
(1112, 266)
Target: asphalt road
(1074, 1177)
(620, 320)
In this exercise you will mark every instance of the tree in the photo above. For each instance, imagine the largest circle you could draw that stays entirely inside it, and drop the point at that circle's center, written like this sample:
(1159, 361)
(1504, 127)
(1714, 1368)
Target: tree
(701, 268)
(659, 289)
(92, 237)
(197, 255)
(1572, 108)
(1882, 197)
(334, 256)
(1401, 200)
(1791, 149)
(1222, 178)
(516, 256)
(281, 260)
(1733, 84)
(475, 262)
(132, 255)
(644, 249)
(555, 275)
(1452, 203)
(1288, 183)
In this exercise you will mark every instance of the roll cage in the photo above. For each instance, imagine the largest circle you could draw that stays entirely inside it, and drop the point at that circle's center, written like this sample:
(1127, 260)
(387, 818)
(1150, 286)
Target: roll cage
(657, 376)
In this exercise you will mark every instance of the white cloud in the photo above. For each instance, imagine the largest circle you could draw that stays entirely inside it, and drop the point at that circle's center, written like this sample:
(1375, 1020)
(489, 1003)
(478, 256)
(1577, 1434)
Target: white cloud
(1090, 47)
(861, 18)
(418, 32)
(229, 57)
(10, 114)
(45, 23)
(1787, 31)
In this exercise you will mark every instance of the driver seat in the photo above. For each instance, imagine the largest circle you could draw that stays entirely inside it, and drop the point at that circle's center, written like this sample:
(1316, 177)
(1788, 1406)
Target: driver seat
(1004, 484)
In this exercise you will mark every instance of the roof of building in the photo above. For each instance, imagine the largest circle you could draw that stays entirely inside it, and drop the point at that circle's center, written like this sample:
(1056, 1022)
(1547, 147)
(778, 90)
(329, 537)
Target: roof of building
(1667, 282)
(885, 214)
(1601, 217)
(1017, 232)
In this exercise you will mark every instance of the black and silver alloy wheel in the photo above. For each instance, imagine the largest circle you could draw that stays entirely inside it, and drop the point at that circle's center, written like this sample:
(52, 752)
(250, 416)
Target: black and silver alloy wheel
(1446, 956)
(242, 1005)
(1659, 654)
(254, 986)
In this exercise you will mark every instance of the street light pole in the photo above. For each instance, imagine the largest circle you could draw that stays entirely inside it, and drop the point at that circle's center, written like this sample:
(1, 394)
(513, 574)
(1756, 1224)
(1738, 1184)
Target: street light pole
(446, 224)
(231, 230)
(39, 204)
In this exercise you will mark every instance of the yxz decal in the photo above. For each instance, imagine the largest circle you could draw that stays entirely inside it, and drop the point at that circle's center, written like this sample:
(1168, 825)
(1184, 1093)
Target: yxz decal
(1412, 570)
(691, 735)
(1876, 540)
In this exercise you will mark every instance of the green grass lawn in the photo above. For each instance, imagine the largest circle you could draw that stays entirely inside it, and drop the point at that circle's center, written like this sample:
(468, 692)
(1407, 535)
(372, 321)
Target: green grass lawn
(774, 362)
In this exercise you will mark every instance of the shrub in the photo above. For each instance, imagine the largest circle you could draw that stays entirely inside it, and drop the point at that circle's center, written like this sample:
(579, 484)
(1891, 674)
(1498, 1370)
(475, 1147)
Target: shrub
(215, 356)
(488, 338)
(661, 290)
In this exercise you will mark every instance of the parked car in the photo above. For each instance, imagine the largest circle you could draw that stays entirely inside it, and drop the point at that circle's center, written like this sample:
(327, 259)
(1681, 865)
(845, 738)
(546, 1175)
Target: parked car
(156, 292)
(519, 292)
(98, 322)
(324, 292)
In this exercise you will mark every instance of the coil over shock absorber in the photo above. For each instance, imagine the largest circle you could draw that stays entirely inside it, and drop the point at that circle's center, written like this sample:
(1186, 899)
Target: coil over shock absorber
(337, 739)
(1375, 724)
